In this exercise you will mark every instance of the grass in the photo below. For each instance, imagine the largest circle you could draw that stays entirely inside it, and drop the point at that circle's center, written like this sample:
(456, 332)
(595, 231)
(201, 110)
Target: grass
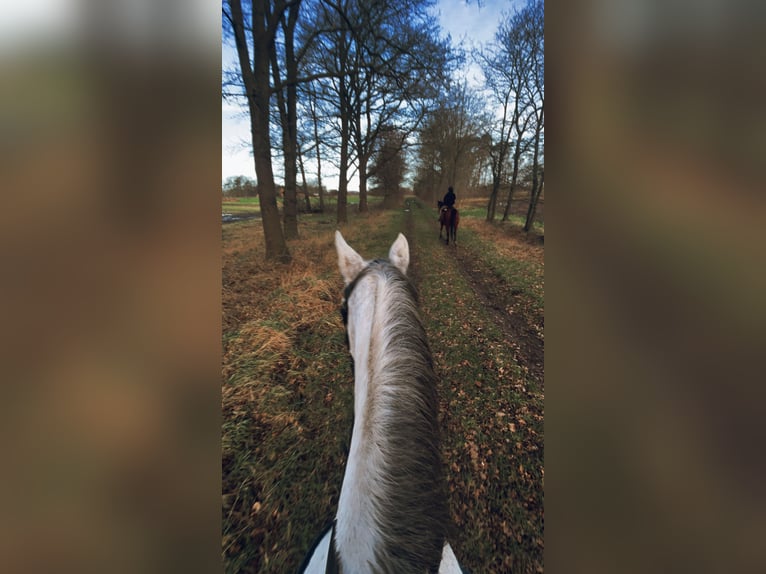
(516, 265)
(287, 393)
(252, 206)
(241, 205)
(476, 208)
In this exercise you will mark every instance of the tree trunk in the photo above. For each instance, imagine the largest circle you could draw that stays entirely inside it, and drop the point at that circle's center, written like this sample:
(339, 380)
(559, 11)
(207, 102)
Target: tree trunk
(535, 163)
(514, 179)
(290, 214)
(315, 121)
(342, 216)
(345, 132)
(306, 197)
(364, 154)
(363, 185)
(516, 152)
(256, 80)
(319, 183)
(289, 121)
(533, 205)
(493, 198)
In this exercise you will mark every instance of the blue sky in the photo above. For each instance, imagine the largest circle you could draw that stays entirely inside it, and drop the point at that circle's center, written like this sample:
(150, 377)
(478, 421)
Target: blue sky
(469, 25)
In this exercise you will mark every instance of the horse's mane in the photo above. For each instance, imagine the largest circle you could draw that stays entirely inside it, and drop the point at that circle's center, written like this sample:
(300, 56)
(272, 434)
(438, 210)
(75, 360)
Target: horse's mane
(411, 508)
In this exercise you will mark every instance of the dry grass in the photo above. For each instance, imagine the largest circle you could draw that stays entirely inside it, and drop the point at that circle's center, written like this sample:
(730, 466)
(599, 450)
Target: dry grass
(509, 242)
(266, 305)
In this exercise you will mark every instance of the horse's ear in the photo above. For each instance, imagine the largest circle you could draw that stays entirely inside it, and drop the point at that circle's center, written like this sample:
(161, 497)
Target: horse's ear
(399, 254)
(349, 261)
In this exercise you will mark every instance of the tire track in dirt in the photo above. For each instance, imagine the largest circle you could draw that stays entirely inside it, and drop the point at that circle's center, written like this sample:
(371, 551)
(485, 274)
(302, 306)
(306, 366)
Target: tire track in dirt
(505, 305)
(503, 302)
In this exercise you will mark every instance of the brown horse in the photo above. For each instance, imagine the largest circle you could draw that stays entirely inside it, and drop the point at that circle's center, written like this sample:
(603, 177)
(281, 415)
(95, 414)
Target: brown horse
(449, 217)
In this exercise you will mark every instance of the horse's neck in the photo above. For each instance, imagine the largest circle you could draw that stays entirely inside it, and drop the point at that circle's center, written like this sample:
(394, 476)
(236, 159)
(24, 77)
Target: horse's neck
(385, 366)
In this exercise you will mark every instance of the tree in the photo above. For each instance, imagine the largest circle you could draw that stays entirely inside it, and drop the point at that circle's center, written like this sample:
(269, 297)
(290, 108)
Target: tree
(313, 113)
(509, 69)
(265, 17)
(535, 32)
(306, 195)
(238, 186)
(389, 165)
(328, 63)
(287, 105)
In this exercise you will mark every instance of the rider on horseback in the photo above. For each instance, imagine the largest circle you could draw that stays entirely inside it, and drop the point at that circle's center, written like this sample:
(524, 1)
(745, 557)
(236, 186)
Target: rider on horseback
(448, 215)
(449, 198)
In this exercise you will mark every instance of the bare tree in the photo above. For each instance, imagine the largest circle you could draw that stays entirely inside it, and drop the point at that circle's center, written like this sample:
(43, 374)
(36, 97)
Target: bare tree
(306, 195)
(264, 19)
(509, 68)
(535, 31)
(314, 115)
(287, 105)
(330, 60)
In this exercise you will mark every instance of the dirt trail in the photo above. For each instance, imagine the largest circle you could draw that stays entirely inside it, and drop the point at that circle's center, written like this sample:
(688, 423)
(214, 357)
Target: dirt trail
(503, 302)
(409, 231)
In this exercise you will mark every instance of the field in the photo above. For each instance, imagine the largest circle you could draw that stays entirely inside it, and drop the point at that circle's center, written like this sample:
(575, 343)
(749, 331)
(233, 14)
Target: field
(250, 206)
(287, 391)
(241, 206)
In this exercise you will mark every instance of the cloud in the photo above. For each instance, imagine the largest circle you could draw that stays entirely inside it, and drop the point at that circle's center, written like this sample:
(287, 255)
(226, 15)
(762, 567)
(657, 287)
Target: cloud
(470, 24)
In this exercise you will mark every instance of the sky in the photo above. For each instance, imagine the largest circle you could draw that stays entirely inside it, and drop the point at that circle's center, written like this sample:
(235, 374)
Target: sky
(468, 24)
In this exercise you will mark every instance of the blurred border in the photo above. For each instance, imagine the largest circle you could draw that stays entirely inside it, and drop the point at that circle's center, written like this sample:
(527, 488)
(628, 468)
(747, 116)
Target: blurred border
(109, 137)
(110, 295)
(654, 287)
